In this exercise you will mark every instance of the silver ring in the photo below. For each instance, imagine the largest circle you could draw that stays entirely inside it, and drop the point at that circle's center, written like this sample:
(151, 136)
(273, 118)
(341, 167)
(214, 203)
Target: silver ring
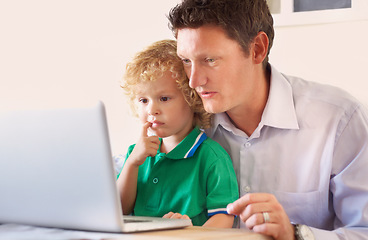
(266, 217)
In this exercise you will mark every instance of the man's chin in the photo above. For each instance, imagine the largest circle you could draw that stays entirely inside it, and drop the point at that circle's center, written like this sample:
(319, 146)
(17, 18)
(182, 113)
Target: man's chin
(212, 109)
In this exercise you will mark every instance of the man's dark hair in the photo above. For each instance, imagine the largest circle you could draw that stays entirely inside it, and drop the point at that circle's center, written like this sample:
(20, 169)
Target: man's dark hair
(242, 20)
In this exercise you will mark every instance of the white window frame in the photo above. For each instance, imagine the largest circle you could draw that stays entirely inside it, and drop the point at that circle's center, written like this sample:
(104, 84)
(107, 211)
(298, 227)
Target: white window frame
(286, 17)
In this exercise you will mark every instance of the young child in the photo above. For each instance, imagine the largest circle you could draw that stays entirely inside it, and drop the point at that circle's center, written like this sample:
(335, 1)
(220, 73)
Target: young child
(175, 171)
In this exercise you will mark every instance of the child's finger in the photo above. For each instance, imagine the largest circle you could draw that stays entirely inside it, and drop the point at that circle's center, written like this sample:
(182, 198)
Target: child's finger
(145, 127)
(168, 215)
(154, 139)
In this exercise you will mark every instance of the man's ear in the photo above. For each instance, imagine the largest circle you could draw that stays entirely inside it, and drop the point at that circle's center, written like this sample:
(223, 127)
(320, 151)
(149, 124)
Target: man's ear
(260, 47)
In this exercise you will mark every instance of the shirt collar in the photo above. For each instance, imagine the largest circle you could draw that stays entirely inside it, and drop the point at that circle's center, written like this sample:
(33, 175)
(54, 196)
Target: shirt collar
(279, 111)
(187, 147)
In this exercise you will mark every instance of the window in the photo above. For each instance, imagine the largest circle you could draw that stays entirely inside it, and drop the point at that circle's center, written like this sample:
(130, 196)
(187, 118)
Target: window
(298, 12)
(313, 5)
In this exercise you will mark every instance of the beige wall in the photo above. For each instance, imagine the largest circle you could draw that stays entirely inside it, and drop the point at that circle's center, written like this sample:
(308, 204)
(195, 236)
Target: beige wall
(71, 52)
(334, 54)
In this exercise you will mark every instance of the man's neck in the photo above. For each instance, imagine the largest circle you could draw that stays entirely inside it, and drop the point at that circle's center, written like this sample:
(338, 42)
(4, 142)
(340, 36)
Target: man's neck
(248, 116)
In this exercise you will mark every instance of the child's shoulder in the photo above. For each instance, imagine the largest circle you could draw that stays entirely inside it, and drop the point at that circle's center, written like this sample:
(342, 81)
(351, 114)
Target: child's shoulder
(212, 148)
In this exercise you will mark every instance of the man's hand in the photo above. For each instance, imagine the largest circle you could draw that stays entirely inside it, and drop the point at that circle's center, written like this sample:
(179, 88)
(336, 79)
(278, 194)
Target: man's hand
(250, 209)
(146, 146)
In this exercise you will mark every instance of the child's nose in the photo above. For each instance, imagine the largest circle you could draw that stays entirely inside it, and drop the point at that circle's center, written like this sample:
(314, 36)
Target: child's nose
(153, 109)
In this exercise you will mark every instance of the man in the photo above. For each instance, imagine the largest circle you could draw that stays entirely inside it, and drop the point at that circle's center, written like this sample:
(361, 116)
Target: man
(299, 148)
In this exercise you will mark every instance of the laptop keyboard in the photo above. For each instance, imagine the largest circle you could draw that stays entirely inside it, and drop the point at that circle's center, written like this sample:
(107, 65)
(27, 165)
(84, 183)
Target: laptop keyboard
(134, 221)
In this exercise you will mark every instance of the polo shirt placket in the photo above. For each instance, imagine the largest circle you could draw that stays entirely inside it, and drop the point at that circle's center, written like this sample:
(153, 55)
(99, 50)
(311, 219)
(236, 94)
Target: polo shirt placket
(156, 173)
(154, 184)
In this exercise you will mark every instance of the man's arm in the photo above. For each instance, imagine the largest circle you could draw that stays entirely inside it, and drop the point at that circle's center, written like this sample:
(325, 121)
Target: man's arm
(348, 190)
(349, 179)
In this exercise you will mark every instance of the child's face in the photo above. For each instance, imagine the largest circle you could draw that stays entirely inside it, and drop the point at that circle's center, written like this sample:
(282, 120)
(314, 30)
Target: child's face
(162, 103)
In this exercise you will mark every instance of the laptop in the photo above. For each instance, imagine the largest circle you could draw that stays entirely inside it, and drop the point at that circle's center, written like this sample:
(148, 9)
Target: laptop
(56, 170)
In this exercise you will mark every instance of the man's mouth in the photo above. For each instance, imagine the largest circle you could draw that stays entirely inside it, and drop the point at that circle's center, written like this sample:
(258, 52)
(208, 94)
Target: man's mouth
(207, 94)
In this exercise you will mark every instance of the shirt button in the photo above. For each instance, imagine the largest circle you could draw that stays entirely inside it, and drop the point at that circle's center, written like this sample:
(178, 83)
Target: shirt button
(247, 144)
(246, 189)
(155, 180)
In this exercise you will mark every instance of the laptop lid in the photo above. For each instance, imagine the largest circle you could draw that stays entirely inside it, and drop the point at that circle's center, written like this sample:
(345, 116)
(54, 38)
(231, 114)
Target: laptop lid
(56, 170)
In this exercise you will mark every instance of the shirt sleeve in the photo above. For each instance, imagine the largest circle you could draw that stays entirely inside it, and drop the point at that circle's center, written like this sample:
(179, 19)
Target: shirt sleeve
(222, 186)
(349, 181)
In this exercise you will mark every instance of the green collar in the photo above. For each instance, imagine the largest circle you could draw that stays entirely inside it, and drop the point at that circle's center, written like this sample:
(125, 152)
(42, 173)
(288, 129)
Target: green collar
(187, 147)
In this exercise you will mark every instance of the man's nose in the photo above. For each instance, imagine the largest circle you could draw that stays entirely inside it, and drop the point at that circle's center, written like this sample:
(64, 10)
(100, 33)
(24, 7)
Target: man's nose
(196, 77)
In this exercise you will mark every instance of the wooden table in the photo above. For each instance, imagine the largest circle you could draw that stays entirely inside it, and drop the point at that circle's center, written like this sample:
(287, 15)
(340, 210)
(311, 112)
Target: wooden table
(16, 231)
(196, 233)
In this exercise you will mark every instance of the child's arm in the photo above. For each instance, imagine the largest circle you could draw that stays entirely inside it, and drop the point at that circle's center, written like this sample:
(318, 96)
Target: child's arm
(127, 182)
(220, 221)
(127, 185)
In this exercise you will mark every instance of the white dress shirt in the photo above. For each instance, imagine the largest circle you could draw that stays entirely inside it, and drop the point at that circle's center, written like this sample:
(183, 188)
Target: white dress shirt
(311, 151)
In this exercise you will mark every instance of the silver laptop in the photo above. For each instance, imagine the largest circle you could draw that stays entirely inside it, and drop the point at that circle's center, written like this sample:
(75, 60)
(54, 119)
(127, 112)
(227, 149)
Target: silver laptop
(56, 170)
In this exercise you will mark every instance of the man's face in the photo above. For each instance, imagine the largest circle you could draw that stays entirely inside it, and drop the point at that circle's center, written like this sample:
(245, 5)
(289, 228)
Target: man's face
(217, 68)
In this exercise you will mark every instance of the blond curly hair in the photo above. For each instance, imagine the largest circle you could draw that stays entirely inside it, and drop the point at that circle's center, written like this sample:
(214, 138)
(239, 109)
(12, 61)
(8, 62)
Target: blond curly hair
(151, 64)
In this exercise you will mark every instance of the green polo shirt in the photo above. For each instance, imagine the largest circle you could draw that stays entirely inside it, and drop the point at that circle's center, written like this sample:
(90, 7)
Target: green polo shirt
(196, 178)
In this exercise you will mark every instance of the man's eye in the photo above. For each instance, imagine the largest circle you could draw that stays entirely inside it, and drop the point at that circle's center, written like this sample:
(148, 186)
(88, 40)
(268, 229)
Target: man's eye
(210, 60)
(143, 100)
(164, 99)
(186, 61)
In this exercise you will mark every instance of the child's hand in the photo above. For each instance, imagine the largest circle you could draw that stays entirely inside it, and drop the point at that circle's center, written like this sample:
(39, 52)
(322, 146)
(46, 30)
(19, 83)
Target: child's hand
(146, 146)
(176, 216)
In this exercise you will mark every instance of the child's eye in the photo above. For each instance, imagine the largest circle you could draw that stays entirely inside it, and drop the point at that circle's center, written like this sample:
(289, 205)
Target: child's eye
(143, 100)
(164, 99)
